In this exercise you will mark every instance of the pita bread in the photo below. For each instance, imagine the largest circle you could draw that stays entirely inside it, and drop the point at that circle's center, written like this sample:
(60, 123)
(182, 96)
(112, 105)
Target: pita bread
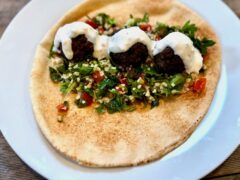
(127, 138)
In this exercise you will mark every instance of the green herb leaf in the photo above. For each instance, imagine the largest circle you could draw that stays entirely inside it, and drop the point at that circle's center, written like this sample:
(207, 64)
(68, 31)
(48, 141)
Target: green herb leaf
(203, 44)
(81, 103)
(188, 29)
(162, 29)
(71, 87)
(145, 18)
(67, 87)
(135, 21)
(66, 104)
(85, 70)
(61, 69)
(177, 79)
(104, 20)
(128, 108)
(104, 85)
(155, 103)
(64, 87)
(147, 70)
(115, 105)
(89, 91)
(54, 75)
(137, 92)
(100, 109)
(51, 52)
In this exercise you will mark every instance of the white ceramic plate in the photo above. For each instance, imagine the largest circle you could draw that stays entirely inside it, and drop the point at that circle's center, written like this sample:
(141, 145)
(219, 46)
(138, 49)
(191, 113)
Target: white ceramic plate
(213, 141)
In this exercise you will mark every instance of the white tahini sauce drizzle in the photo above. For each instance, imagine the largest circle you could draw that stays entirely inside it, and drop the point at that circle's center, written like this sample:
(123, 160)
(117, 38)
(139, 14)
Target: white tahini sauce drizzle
(67, 32)
(101, 47)
(183, 47)
(126, 38)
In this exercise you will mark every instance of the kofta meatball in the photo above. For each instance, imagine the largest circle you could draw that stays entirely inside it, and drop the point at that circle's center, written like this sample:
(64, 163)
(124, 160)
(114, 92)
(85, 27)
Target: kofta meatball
(81, 48)
(136, 55)
(169, 63)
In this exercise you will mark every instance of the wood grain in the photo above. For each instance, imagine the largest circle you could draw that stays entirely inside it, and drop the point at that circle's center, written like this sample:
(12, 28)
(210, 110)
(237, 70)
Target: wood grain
(229, 167)
(234, 5)
(8, 9)
(11, 167)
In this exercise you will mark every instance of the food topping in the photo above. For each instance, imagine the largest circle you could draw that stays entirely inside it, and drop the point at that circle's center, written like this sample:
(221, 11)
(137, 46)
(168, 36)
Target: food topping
(62, 108)
(182, 47)
(81, 47)
(145, 27)
(136, 21)
(123, 40)
(101, 47)
(92, 23)
(98, 76)
(167, 62)
(135, 56)
(84, 100)
(133, 65)
(199, 85)
(161, 30)
(66, 33)
(105, 21)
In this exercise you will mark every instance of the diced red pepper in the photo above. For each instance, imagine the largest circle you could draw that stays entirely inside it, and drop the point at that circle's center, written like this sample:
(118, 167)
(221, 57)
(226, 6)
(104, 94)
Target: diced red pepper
(92, 23)
(157, 38)
(120, 90)
(62, 108)
(142, 75)
(199, 85)
(123, 81)
(146, 27)
(100, 30)
(97, 77)
(86, 97)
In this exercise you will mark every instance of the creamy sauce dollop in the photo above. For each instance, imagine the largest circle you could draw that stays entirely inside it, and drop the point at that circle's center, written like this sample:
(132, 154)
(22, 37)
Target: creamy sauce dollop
(66, 33)
(101, 47)
(123, 40)
(183, 47)
(126, 38)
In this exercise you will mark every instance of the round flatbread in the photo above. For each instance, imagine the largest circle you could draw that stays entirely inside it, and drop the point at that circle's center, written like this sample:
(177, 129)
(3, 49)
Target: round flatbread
(126, 138)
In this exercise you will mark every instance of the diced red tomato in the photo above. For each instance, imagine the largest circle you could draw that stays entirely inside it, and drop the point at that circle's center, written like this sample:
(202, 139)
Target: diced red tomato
(145, 27)
(97, 77)
(92, 23)
(157, 38)
(123, 81)
(62, 108)
(100, 30)
(86, 97)
(120, 90)
(142, 75)
(199, 85)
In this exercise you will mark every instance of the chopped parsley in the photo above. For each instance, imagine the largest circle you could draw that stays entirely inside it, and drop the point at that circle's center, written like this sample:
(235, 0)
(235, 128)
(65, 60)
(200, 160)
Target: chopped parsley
(135, 21)
(51, 52)
(54, 75)
(104, 20)
(188, 29)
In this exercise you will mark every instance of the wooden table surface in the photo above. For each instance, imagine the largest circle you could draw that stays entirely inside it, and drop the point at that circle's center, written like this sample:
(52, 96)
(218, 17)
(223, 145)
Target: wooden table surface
(11, 167)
